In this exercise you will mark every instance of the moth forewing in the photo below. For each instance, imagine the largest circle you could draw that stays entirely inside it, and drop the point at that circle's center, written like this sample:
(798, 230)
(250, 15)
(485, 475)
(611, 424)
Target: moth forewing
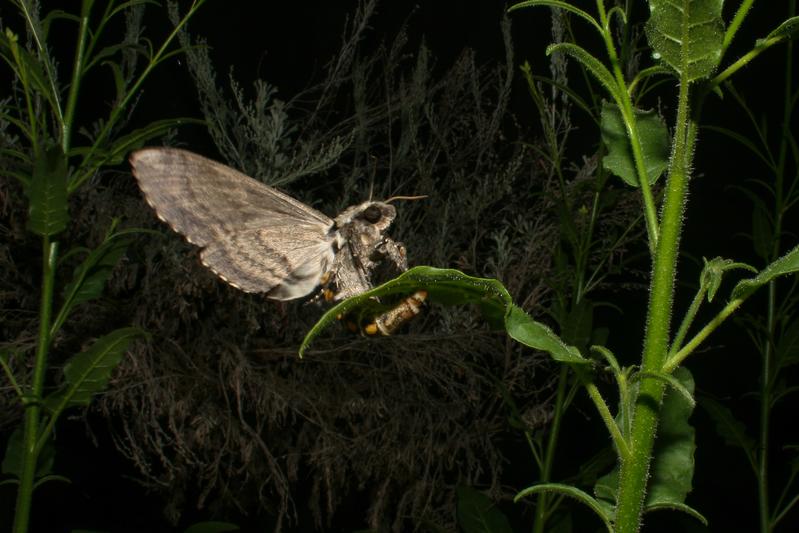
(259, 239)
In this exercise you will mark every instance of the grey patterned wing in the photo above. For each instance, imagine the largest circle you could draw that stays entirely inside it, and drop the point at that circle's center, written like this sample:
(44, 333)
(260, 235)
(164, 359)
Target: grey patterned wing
(255, 237)
(282, 263)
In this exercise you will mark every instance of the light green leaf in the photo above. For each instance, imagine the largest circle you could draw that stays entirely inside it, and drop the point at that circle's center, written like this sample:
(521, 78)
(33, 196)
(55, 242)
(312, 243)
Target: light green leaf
(674, 506)
(787, 264)
(653, 135)
(687, 35)
(785, 31)
(444, 287)
(572, 492)
(593, 65)
(714, 271)
(671, 381)
(522, 328)
(478, 514)
(558, 4)
(672, 466)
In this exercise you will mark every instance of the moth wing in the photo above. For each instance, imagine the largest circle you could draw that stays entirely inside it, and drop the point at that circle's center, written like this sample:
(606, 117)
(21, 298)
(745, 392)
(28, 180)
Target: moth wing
(207, 201)
(285, 264)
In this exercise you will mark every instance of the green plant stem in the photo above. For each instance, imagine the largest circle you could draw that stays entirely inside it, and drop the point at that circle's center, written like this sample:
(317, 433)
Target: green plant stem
(33, 401)
(688, 320)
(77, 76)
(735, 25)
(766, 379)
(628, 114)
(675, 360)
(633, 472)
(765, 412)
(542, 505)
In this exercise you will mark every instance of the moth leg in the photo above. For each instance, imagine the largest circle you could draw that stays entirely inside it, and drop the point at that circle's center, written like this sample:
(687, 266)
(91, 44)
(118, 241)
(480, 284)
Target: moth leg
(395, 251)
(325, 282)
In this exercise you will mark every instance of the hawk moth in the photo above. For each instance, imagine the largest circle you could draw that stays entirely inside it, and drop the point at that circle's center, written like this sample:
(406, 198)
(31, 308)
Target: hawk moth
(261, 240)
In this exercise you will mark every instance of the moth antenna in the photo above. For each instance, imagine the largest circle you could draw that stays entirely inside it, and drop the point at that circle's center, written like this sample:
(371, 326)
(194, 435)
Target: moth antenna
(421, 197)
(372, 177)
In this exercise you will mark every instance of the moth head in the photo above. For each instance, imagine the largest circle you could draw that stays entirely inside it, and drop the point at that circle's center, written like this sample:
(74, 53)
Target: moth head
(380, 215)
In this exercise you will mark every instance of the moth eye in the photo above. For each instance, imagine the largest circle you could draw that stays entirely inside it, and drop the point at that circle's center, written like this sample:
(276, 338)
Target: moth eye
(372, 214)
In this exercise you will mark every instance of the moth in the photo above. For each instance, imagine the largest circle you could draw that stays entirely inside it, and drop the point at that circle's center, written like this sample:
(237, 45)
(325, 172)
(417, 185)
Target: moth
(261, 240)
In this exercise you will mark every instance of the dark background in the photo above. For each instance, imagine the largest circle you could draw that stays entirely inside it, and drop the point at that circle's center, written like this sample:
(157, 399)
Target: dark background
(288, 43)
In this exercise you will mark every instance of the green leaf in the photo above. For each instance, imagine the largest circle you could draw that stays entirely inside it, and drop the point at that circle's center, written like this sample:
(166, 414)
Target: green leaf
(593, 65)
(522, 328)
(88, 372)
(653, 135)
(89, 278)
(673, 506)
(731, 430)
(787, 264)
(444, 287)
(672, 466)
(26, 66)
(558, 4)
(96, 157)
(785, 31)
(713, 272)
(47, 213)
(211, 527)
(687, 35)
(572, 492)
(671, 381)
(787, 345)
(15, 453)
(478, 514)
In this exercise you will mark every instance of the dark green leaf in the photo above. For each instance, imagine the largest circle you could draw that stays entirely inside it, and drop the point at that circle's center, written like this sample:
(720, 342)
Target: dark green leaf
(15, 451)
(762, 231)
(88, 372)
(478, 514)
(522, 328)
(687, 35)
(121, 147)
(90, 276)
(211, 527)
(787, 350)
(787, 264)
(47, 212)
(12, 459)
(653, 135)
(729, 428)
